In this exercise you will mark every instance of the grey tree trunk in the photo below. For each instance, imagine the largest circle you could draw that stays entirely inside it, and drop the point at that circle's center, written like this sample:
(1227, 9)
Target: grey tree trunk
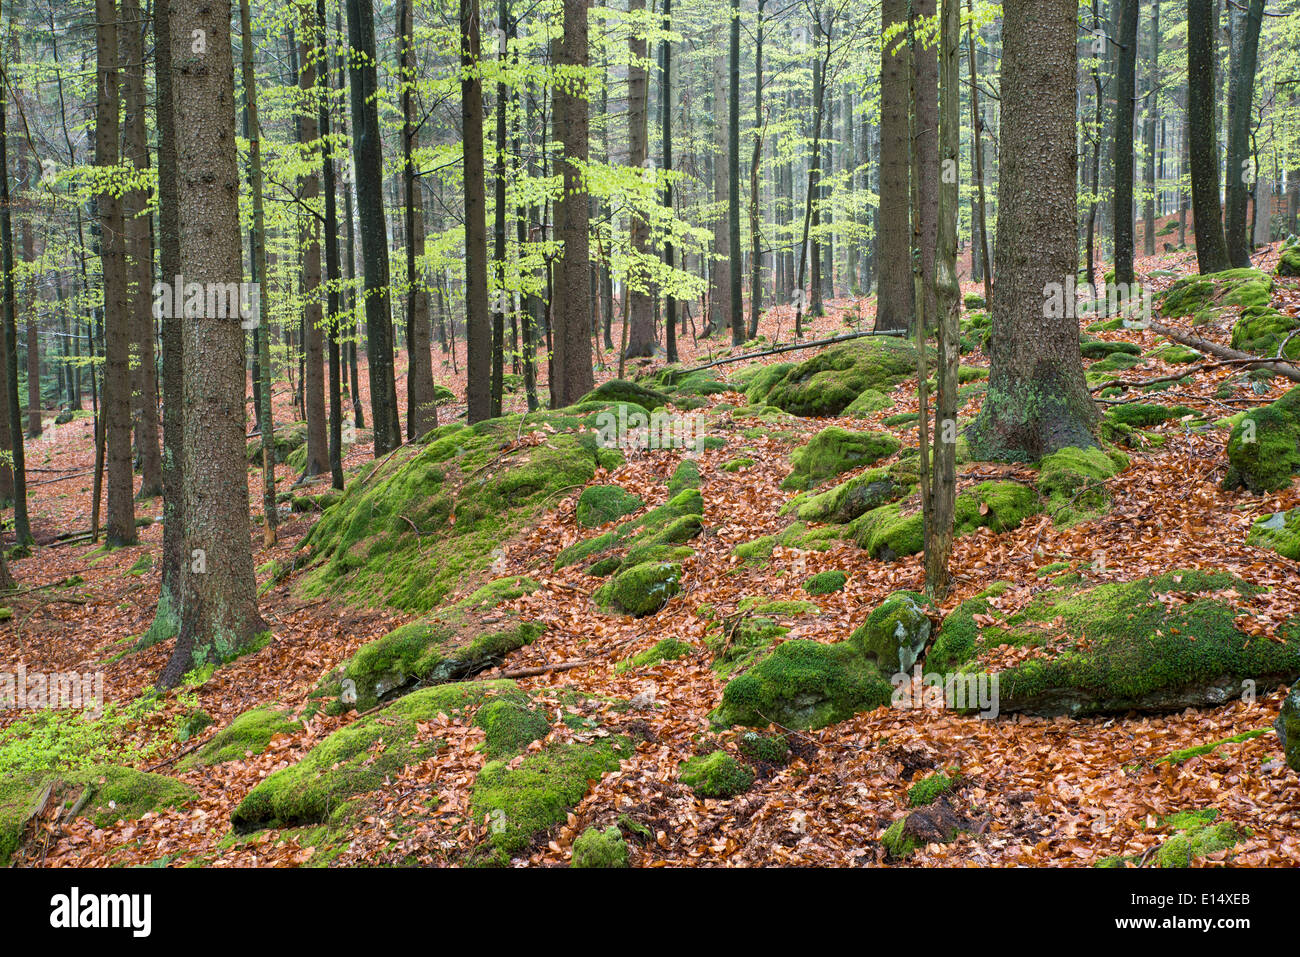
(478, 323)
(1203, 155)
(1242, 175)
(641, 329)
(893, 262)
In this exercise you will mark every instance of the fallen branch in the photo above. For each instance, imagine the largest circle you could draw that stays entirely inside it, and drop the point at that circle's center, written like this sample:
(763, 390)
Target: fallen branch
(1223, 352)
(791, 347)
(543, 669)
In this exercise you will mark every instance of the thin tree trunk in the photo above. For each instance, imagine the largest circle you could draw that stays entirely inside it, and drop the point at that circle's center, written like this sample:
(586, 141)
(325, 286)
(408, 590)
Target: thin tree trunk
(478, 328)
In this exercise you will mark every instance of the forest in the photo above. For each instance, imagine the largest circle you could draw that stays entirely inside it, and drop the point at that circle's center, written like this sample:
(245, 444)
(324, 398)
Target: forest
(649, 433)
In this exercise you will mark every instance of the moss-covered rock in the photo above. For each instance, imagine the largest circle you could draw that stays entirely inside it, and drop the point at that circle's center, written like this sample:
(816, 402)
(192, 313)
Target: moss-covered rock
(802, 685)
(420, 522)
(763, 748)
(1288, 263)
(1074, 483)
(1101, 348)
(825, 583)
(685, 476)
(1197, 833)
(1279, 532)
(103, 793)
(511, 724)
(249, 733)
(760, 549)
(642, 589)
(834, 450)
(602, 504)
(827, 383)
(595, 848)
(358, 758)
(522, 801)
(1203, 297)
(933, 786)
(1288, 728)
(662, 525)
(1264, 448)
(867, 403)
(666, 649)
(716, 775)
(737, 641)
(889, 533)
(1118, 647)
(632, 393)
(896, 632)
(857, 496)
(1144, 414)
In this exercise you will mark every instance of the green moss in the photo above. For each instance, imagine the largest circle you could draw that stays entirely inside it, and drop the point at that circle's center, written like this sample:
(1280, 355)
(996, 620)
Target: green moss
(867, 403)
(763, 748)
(192, 724)
(642, 589)
(802, 685)
(1101, 348)
(897, 844)
(424, 520)
(288, 437)
(685, 476)
(511, 725)
(889, 533)
(930, 788)
(659, 526)
(824, 583)
(1142, 415)
(834, 450)
(1289, 262)
(781, 609)
(1279, 532)
(357, 758)
(735, 465)
(1115, 362)
(1264, 448)
(716, 775)
(1176, 354)
(520, 803)
(896, 632)
(847, 501)
(619, 390)
(808, 539)
(757, 381)
(667, 649)
(1287, 727)
(249, 733)
(601, 504)
(1117, 647)
(957, 642)
(1197, 840)
(827, 383)
(736, 643)
(759, 549)
(1074, 482)
(595, 848)
(1200, 750)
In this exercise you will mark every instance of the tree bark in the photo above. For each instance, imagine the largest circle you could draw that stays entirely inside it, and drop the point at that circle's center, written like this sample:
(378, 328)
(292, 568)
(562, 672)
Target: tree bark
(1038, 400)
(641, 332)
(1242, 175)
(313, 382)
(1211, 245)
(893, 262)
(1125, 98)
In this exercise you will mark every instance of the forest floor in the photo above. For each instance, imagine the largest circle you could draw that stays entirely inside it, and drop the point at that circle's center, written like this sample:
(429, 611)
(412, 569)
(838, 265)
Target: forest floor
(1048, 791)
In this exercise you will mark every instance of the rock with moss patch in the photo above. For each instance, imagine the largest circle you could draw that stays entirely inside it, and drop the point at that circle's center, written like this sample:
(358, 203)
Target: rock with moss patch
(803, 685)
(937, 823)
(867, 403)
(1162, 643)
(1288, 728)
(716, 775)
(288, 438)
(521, 800)
(764, 748)
(631, 393)
(889, 533)
(250, 733)
(1196, 835)
(933, 786)
(825, 583)
(602, 504)
(642, 589)
(1279, 532)
(896, 632)
(359, 757)
(827, 383)
(510, 724)
(1074, 482)
(859, 495)
(596, 848)
(834, 450)
(674, 522)
(685, 476)
(666, 649)
(1264, 448)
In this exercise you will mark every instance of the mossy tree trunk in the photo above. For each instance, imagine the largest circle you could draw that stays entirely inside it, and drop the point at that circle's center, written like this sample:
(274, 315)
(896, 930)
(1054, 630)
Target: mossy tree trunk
(219, 615)
(1038, 399)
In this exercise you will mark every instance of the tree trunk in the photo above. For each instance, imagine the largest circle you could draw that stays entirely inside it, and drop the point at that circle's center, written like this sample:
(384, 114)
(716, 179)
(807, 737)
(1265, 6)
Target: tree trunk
(1125, 97)
(313, 381)
(1152, 114)
(641, 333)
(1038, 400)
(926, 64)
(733, 180)
(572, 376)
(320, 45)
(1211, 245)
(367, 151)
(117, 317)
(893, 259)
(478, 327)
(720, 264)
(666, 110)
(1242, 175)
(219, 616)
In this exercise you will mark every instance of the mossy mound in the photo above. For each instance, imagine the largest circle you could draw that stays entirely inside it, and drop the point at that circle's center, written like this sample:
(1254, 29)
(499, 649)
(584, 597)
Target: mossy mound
(803, 685)
(249, 733)
(867, 403)
(419, 523)
(602, 504)
(641, 589)
(1196, 835)
(288, 438)
(1144, 414)
(519, 803)
(934, 823)
(448, 645)
(760, 549)
(896, 632)
(827, 383)
(857, 496)
(889, 533)
(764, 748)
(1101, 348)
(1287, 727)
(511, 725)
(1264, 448)
(716, 775)
(933, 786)
(632, 393)
(105, 793)
(834, 450)
(737, 642)
(1117, 647)
(666, 649)
(1280, 532)
(1202, 297)
(1289, 262)
(1175, 354)
(685, 476)
(674, 522)
(1261, 330)
(595, 848)
(1074, 483)
(358, 758)
(825, 583)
